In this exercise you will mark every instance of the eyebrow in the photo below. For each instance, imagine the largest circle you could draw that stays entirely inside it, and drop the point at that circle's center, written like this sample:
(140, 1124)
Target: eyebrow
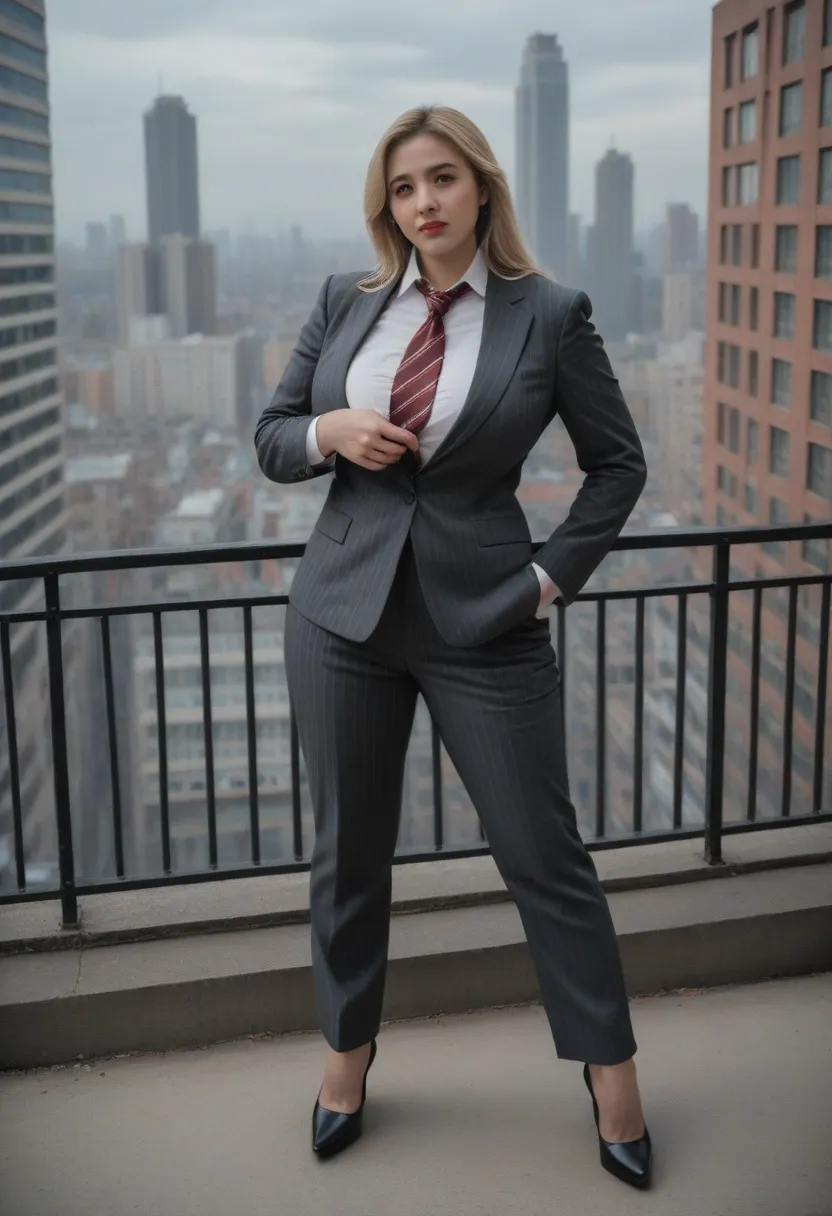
(433, 169)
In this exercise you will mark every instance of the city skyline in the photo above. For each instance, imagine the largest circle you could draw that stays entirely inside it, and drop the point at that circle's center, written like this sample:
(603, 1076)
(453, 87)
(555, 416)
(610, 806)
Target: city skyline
(290, 104)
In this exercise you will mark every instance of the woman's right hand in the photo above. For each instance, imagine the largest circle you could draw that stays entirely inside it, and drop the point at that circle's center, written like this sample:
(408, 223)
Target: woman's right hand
(363, 436)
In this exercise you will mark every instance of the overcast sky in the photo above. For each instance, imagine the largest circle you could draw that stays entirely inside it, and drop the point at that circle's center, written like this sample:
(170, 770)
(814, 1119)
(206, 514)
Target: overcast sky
(292, 95)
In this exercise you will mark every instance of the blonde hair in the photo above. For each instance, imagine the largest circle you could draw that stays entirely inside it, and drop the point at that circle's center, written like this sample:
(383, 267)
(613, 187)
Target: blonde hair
(498, 233)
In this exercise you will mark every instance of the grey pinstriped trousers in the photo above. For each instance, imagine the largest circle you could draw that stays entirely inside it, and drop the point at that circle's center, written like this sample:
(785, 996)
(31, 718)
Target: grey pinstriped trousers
(497, 708)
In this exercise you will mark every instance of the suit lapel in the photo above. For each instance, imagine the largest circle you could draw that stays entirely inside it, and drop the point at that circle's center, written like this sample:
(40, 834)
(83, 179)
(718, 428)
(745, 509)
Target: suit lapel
(362, 315)
(505, 328)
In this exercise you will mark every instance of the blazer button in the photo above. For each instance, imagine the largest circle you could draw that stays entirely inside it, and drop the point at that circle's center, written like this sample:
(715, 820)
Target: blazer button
(410, 498)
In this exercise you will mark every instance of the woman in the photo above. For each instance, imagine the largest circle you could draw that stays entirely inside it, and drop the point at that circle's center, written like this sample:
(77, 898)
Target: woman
(421, 389)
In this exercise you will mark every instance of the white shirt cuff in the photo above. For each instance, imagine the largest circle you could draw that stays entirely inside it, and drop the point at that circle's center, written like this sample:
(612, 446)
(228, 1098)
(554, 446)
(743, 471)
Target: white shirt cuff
(313, 452)
(549, 591)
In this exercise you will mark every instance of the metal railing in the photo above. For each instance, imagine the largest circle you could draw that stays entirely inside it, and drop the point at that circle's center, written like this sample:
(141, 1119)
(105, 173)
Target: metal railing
(718, 590)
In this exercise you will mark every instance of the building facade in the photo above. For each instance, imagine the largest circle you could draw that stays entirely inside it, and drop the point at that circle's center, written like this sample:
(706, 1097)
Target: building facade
(206, 379)
(767, 455)
(542, 143)
(32, 510)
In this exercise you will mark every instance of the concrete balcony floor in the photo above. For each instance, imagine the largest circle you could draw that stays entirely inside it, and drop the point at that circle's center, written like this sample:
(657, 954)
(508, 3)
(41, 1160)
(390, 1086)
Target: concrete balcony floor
(466, 1115)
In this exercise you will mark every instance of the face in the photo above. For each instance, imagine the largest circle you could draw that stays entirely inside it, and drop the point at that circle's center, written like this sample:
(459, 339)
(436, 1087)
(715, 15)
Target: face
(433, 195)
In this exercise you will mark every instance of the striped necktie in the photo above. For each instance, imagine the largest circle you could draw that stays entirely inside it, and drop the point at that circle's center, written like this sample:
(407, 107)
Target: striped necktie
(414, 385)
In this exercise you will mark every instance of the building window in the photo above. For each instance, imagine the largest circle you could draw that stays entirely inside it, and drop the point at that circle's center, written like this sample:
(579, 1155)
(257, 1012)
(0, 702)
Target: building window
(736, 303)
(784, 315)
(723, 245)
(750, 53)
(785, 256)
(726, 482)
(748, 184)
(823, 252)
(788, 181)
(826, 94)
(21, 149)
(754, 308)
(753, 373)
(13, 48)
(794, 34)
(720, 308)
(728, 364)
(27, 86)
(727, 183)
(816, 552)
(14, 116)
(728, 427)
(819, 470)
(728, 128)
(729, 45)
(778, 452)
(21, 15)
(820, 401)
(781, 383)
(752, 442)
(747, 122)
(822, 337)
(827, 24)
(755, 246)
(791, 108)
(778, 513)
(736, 244)
(825, 176)
(751, 500)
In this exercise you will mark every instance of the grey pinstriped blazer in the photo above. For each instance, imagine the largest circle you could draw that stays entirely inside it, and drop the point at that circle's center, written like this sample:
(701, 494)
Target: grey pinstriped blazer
(540, 355)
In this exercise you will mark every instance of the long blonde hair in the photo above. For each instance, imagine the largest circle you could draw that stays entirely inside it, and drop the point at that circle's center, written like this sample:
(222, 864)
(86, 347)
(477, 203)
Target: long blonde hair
(500, 242)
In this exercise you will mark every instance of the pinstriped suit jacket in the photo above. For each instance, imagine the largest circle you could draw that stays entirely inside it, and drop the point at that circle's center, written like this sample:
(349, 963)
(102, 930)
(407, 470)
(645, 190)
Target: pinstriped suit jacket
(540, 355)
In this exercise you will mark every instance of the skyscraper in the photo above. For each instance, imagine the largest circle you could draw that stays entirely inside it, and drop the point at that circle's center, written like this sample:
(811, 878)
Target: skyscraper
(682, 238)
(32, 514)
(612, 263)
(542, 136)
(171, 170)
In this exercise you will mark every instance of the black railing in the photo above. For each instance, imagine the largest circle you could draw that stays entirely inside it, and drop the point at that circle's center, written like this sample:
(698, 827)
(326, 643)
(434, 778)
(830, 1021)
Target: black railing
(715, 639)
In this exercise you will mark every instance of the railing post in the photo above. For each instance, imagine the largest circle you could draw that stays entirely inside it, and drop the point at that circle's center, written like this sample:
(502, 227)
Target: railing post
(60, 765)
(717, 681)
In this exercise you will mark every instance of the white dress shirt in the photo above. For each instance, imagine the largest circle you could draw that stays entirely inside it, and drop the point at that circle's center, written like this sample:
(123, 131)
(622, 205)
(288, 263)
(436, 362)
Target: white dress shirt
(373, 369)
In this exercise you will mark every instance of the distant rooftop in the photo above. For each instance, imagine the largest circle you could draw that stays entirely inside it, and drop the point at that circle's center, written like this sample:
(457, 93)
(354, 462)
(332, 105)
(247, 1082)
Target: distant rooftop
(200, 504)
(97, 468)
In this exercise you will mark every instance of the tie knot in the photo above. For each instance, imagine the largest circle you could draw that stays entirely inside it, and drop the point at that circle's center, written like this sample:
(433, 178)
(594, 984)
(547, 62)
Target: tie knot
(440, 301)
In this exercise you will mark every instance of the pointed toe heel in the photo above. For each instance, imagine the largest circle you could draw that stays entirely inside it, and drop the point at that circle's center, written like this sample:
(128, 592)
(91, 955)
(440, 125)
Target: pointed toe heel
(332, 1130)
(630, 1161)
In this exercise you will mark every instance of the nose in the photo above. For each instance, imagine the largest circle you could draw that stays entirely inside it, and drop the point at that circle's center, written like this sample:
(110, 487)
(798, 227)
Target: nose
(424, 199)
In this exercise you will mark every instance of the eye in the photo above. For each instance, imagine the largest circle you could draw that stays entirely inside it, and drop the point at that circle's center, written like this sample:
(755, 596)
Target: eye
(403, 186)
(444, 177)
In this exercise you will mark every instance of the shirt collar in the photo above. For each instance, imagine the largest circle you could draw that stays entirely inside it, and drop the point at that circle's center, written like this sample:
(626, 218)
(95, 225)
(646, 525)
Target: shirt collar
(476, 275)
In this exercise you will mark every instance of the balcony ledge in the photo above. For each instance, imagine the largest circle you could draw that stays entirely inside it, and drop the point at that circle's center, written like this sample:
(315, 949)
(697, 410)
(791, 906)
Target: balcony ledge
(229, 959)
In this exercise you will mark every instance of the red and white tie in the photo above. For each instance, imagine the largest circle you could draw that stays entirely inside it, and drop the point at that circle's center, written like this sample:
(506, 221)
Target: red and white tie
(414, 385)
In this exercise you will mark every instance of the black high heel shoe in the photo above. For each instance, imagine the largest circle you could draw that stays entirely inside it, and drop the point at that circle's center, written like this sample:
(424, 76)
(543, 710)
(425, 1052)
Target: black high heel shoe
(630, 1160)
(332, 1130)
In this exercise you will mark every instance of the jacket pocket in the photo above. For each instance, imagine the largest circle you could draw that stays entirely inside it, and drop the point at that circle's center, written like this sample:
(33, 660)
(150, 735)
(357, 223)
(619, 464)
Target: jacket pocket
(333, 523)
(502, 530)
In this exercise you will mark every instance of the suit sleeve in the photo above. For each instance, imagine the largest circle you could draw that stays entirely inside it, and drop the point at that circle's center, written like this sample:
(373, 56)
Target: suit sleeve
(608, 449)
(281, 431)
